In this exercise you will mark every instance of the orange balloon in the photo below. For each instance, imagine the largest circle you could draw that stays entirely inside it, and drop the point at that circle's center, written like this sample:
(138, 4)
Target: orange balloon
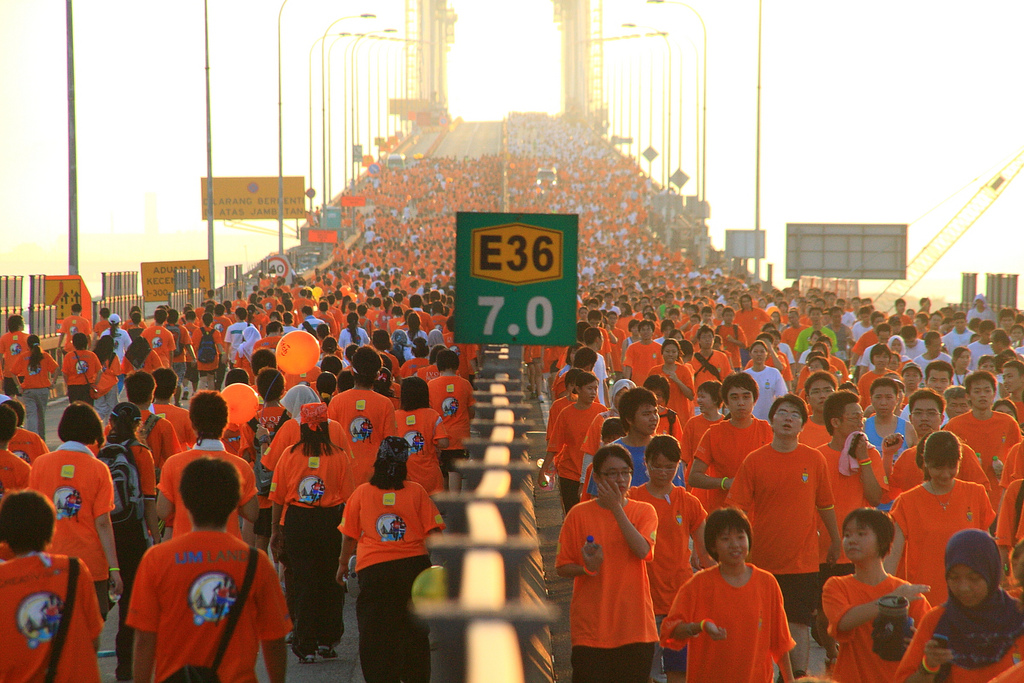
(297, 352)
(243, 402)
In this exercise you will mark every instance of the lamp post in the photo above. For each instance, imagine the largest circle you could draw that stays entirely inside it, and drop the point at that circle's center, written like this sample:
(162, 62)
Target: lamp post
(72, 152)
(330, 147)
(209, 156)
(702, 172)
(311, 48)
(757, 153)
(354, 85)
(666, 122)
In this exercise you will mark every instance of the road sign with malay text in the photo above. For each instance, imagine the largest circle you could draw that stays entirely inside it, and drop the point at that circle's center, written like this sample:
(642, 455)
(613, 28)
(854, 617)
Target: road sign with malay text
(516, 278)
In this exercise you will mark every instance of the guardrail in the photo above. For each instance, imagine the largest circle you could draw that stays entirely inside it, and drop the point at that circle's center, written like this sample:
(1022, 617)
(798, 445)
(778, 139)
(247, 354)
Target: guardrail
(187, 289)
(491, 618)
(119, 294)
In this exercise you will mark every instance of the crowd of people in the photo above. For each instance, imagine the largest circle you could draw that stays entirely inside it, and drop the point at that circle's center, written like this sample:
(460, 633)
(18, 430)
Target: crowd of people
(742, 469)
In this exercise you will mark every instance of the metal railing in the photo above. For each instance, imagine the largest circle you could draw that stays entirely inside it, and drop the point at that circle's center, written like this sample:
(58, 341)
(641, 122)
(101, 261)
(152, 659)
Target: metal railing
(489, 620)
(120, 293)
(187, 289)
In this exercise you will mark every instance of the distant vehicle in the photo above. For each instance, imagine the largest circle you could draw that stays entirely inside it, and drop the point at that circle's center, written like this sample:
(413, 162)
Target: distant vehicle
(547, 176)
(396, 161)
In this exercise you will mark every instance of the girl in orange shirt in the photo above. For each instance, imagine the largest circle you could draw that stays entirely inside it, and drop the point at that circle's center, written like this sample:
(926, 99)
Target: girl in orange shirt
(37, 368)
(424, 431)
(680, 380)
(312, 480)
(730, 617)
(979, 632)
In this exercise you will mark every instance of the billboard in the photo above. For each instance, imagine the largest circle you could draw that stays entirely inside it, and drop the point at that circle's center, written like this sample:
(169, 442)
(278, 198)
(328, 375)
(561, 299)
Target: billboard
(254, 198)
(158, 277)
(846, 250)
(744, 244)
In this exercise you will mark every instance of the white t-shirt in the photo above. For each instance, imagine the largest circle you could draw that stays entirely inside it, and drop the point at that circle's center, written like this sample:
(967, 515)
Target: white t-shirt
(770, 385)
(913, 351)
(858, 329)
(978, 350)
(954, 339)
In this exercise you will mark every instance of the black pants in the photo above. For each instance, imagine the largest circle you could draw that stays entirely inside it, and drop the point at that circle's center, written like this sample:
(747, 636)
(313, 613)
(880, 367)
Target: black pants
(131, 546)
(312, 543)
(570, 492)
(79, 392)
(393, 646)
(624, 664)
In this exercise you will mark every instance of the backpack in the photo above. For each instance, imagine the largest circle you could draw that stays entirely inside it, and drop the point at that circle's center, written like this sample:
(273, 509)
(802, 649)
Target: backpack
(144, 429)
(128, 498)
(264, 476)
(135, 333)
(176, 336)
(207, 351)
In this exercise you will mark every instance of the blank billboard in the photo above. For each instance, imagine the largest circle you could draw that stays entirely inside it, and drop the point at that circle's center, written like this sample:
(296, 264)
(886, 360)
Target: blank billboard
(850, 250)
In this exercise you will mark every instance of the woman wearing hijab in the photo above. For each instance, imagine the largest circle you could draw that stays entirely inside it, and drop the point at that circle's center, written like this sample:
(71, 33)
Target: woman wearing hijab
(250, 336)
(311, 482)
(388, 519)
(979, 631)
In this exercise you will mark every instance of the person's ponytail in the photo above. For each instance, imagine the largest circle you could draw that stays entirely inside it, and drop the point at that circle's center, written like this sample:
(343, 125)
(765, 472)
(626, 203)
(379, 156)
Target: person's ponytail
(35, 356)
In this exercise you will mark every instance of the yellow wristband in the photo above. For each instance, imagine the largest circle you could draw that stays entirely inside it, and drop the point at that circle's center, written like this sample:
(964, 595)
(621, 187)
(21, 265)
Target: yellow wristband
(722, 483)
(703, 625)
(924, 667)
(588, 572)
(866, 463)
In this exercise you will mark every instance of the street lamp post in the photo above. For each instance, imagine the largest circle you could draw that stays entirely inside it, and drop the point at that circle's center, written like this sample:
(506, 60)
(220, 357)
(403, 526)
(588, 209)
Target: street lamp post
(311, 49)
(212, 272)
(354, 84)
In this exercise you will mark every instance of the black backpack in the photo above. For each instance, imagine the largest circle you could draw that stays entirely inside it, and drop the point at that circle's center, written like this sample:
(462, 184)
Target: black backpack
(128, 499)
(207, 351)
(176, 335)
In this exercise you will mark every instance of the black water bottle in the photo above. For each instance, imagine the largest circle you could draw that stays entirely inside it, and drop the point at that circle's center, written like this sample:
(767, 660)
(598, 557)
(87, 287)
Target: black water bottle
(891, 628)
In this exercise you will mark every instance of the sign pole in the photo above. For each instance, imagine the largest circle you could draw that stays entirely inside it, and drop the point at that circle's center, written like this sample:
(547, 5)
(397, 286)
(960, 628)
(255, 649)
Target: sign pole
(209, 154)
(72, 154)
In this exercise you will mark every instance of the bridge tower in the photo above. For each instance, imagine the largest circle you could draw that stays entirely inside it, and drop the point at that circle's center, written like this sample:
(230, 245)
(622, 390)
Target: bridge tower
(581, 23)
(431, 24)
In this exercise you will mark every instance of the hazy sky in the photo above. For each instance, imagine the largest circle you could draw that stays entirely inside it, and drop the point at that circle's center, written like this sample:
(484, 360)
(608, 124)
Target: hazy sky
(872, 112)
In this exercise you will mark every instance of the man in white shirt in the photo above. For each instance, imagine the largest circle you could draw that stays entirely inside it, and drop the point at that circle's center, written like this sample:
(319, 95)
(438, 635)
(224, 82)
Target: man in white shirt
(912, 346)
(960, 335)
(863, 323)
(233, 334)
(983, 346)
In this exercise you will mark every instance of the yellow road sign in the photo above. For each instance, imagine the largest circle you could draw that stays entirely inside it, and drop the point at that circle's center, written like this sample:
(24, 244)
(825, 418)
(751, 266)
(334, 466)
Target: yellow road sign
(158, 277)
(516, 254)
(255, 198)
(63, 291)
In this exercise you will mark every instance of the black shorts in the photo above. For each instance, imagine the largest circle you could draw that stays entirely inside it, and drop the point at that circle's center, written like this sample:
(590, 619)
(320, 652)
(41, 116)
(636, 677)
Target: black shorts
(262, 525)
(801, 594)
(827, 571)
(448, 458)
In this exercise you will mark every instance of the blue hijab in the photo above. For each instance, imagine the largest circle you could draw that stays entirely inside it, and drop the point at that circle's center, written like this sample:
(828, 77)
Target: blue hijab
(980, 635)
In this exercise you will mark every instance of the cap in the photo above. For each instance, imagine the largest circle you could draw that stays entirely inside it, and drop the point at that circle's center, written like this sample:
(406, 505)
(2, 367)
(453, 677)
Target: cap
(114, 318)
(126, 411)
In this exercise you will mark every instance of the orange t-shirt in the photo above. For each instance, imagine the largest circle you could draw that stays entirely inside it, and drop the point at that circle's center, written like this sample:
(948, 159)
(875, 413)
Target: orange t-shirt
(13, 345)
(906, 474)
(162, 439)
(32, 593)
(718, 360)
(614, 606)
(814, 435)
(81, 489)
(773, 486)
(312, 481)
(184, 590)
(928, 521)
(752, 321)
(848, 492)
(676, 400)
(80, 367)
(1013, 468)
(389, 525)
(732, 350)
(452, 397)
(161, 340)
(170, 478)
(152, 362)
(857, 661)
(410, 366)
(180, 421)
(38, 378)
(1007, 534)
(567, 436)
(641, 359)
(13, 473)
(752, 615)
(287, 435)
(422, 429)
(27, 445)
(680, 516)
(71, 325)
(991, 438)
(926, 628)
(428, 373)
(1014, 675)
(367, 417)
(723, 448)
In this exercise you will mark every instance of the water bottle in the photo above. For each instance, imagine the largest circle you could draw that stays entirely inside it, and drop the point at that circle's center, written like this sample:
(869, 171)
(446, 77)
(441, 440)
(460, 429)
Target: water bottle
(546, 482)
(891, 628)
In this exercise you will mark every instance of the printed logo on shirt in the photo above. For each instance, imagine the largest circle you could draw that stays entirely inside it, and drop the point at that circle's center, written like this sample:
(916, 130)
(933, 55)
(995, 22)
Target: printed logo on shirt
(679, 519)
(38, 618)
(72, 331)
(391, 527)
(15, 349)
(218, 326)
(804, 476)
(311, 490)
(157, 341)
(449, 406)
(68, 502)
(211, 596)
(33, 372)
(361, 429)
(23, 455)
(415, 440)
(81, 367)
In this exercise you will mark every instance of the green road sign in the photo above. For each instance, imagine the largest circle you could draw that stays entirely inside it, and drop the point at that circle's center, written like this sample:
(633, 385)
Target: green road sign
(515, 277)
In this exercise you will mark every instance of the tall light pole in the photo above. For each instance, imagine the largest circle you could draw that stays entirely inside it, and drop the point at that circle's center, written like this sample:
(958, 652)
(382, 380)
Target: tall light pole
(72, 152)
(311, 48)
(280, 142)
(702, 172)
(666, 96)
(355, 87)
(209, 157)
(757, 154)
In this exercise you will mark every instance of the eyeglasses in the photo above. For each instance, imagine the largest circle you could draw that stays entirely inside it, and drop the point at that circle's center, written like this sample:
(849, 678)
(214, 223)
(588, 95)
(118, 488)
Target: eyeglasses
(617, 474)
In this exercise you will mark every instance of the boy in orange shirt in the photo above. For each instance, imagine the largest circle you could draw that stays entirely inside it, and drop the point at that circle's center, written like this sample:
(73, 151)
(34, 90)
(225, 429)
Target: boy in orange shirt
(642, 356)
(565, 444)
(80, 368)
(452, 397)
(680, 518)
(734, 339)
(13, 470)
(730, 617)
(186, 588)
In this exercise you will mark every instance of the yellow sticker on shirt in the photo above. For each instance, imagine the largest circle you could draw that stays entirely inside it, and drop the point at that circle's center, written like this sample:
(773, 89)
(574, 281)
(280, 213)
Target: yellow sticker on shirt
(450, 388)
(67, 472)
(273, 486)
(314, 462)
(389, 498)
(439, 519)
(410, 419)
(361, 404)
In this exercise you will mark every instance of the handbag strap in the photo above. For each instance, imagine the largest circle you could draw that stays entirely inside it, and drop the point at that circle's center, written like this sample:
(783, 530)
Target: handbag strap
(708, 367)
(237, 607)
(65, 620)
